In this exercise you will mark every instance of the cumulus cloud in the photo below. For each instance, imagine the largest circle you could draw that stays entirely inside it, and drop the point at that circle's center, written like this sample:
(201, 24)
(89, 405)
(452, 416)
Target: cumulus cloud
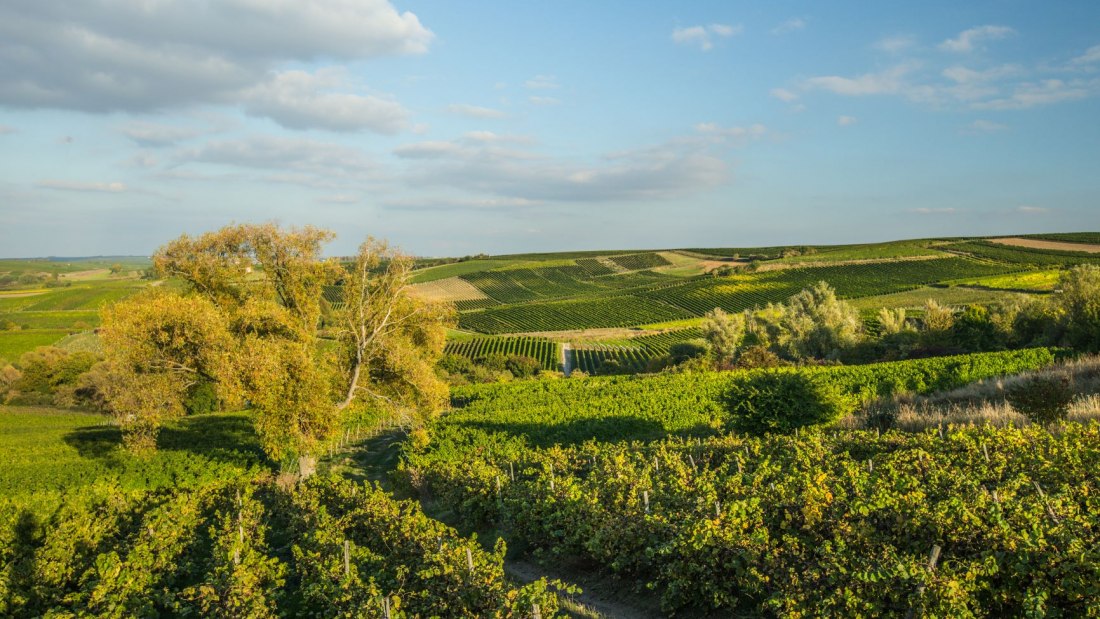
(93, 187)
(791, 25)
(845, 121)
(474, 111)
(103, 56)
(304, 100)
(968, 40)
(702, 36)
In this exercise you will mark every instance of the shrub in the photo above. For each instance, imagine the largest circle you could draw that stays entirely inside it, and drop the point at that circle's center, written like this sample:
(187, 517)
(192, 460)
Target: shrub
(201, 398)
(779, 401)
(522, 366)
(1042, 399)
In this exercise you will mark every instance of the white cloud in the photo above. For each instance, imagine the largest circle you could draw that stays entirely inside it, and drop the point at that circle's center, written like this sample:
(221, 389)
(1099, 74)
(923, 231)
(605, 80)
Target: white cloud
(783, 94)
(1046, 92)
(474, 111)
(543, 100)
(895, 44)
(932, 211)
(737, 135)
(304, 100)
(963, 75)
(1027, 209)
(542, 82)
(93, 187)
(301, 161)
(701, 36)
(675, 168)
(887, 82)
(1090, 57)
(152, 135)
(142, 56)
(791, 25)
(846, 121)
(969, 39)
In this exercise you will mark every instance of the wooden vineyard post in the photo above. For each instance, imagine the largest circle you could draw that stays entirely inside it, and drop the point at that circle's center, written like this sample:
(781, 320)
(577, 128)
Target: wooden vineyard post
(1046, 503)
(933, 558)
(512, 471)
(645, 500)
(717, 509)
(347, 559)
(386, 606)
(470, 560)
(536, 612)
(692, 460)
(499, 499)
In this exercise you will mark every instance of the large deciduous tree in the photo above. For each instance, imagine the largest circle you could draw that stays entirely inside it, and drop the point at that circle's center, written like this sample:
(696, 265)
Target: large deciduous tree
(248, 325)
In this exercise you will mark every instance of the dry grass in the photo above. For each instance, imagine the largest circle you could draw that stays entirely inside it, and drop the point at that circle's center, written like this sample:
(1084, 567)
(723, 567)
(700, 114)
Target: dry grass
(983, 402)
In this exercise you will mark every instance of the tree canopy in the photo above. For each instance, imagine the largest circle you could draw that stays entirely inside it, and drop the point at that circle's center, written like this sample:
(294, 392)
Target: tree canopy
(252, 322)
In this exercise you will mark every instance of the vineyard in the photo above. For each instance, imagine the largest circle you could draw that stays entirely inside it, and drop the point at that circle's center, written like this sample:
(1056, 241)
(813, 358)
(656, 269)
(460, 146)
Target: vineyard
(1021, 256)
(809, 525)
(637, 262)
(656, 298)
(634, 475)
(547, 352)
(627, 355)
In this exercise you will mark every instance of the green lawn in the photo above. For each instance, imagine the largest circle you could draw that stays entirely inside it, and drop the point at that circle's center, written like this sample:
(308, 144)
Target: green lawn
(45, 452)
(15, 343)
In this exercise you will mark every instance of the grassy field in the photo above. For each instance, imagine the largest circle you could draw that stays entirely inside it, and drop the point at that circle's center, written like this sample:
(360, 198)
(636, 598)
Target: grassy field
(15, 343)
(47, 452)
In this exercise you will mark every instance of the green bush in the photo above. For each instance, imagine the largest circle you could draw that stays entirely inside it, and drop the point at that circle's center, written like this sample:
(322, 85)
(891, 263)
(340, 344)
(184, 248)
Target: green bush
(1043, 399)
(779, 401)
(201, 398)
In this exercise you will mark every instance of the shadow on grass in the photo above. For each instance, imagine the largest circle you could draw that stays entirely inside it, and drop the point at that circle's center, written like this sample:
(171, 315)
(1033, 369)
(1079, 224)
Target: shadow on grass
(578, 431)
(224, 437)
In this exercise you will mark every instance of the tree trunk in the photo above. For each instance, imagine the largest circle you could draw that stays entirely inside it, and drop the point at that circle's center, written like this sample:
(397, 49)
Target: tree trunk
(307, 466)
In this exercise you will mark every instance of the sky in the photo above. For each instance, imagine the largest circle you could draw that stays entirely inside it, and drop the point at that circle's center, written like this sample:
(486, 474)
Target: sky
(453, 128)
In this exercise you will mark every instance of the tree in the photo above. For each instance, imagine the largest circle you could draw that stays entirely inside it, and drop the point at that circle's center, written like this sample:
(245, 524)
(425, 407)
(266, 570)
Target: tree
(1078, 301)
(247, 327)
(820, 325)
(116, 268)
(892, 322)
(724, 332)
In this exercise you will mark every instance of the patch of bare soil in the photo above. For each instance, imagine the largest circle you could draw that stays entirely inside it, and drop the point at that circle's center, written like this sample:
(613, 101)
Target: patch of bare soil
(601, 596)
(1056, 245)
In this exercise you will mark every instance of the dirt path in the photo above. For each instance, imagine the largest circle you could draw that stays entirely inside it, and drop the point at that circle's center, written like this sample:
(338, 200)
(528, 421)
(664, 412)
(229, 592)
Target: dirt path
(1056, 245)
(600, 597)
(567, 359)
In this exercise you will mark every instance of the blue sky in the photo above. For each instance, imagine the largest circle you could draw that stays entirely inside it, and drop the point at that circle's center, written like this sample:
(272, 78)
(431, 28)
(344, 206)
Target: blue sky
(456, 128)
